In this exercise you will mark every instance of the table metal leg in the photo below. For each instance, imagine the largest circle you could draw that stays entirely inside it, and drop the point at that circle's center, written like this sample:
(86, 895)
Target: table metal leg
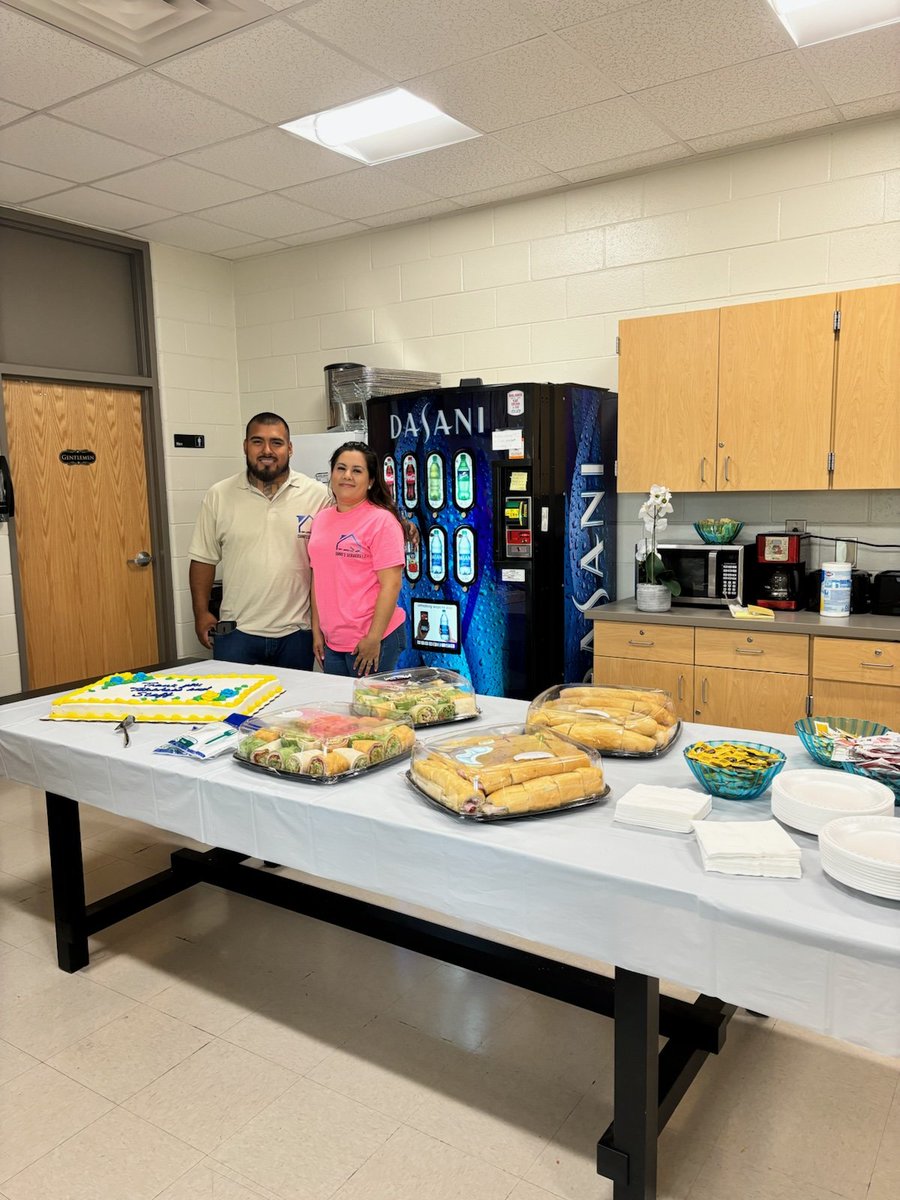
(67, 877)
(627, 1152)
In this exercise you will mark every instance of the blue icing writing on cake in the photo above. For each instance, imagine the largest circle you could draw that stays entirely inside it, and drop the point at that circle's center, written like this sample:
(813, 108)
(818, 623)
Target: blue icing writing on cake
(166, 698)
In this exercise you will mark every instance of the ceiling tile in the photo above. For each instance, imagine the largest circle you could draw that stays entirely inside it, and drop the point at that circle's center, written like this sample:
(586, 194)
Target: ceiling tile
(156, 114)
(324, 235)
(177, 186)
(267, 216)
(359, 193)
(514, 85)
(418, 212)
(89, 206)
(627, 162)
(592, 134)
(860, 67)
(275, 70)
(11, 112)
(466, 167)
(253, 250)
(648, 44)
(271, 159)
(40, 65)
(768, 131)
(556, 14)
(410, 37)
(17, 184)
(192, 234)
(509, 191)
(45, 144)
(734, 97)
(873, 107)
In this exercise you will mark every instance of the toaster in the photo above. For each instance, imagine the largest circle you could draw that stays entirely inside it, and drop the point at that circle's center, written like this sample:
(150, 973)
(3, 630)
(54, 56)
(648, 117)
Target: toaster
(886, 594)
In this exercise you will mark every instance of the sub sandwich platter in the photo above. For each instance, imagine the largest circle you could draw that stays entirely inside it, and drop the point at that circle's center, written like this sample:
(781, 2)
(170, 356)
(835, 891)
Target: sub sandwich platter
(322, 743)
(428, 695)
(506, 771)
(623, 722)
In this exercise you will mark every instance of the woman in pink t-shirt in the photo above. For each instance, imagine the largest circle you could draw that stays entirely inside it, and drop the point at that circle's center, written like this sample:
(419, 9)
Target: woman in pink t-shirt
(356, 552)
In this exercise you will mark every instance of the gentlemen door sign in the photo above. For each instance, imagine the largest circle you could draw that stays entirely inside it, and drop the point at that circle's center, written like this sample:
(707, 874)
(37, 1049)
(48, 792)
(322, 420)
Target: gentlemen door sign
(77, 458)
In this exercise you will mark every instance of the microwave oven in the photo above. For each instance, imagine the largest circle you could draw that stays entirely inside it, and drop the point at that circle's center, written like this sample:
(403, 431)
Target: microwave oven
(709, 575)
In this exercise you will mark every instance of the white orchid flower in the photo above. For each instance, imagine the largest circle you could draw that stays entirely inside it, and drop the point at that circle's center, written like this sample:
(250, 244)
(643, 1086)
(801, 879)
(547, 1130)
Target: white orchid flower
(641, 550)
(661, 524)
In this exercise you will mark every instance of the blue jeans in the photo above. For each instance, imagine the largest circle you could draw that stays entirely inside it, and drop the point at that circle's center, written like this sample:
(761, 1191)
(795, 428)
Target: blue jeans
(293, 650)
(392, 646)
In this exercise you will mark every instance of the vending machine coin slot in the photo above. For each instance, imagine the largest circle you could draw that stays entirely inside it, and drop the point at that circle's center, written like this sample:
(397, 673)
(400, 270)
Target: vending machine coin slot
(517, 526)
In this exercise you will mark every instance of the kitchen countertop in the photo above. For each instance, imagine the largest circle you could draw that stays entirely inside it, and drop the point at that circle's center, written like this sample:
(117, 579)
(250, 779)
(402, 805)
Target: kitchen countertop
(860, 625)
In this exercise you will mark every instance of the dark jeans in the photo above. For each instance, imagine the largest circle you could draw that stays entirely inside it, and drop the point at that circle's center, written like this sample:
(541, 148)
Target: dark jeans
(294, 650)
(392, 646)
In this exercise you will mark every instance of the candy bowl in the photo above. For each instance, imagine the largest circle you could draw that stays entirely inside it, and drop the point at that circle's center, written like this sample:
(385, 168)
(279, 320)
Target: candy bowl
(734, 770)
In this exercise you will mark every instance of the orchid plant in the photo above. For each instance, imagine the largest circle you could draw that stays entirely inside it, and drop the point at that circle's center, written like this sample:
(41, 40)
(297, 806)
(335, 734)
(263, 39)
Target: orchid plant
(654, 513)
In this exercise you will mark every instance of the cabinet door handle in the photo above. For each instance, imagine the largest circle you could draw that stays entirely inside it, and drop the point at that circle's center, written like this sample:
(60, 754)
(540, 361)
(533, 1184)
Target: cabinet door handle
(703, 470)
(738, 650)
(704, 692)
(680, 687)
(727, 465)
(878, 666)
(632, 642)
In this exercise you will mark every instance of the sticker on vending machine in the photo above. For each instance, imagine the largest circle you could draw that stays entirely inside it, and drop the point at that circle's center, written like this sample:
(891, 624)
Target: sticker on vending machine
(515, 403)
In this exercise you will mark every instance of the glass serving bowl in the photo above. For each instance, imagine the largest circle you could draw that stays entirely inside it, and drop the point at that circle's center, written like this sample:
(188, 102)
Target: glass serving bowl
(718, 530)
(889, 776)
(821, 747)
(735, 783)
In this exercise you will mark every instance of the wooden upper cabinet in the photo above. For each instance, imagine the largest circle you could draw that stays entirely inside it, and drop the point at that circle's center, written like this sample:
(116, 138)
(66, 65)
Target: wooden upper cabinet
(776, 362)
(867, 404)
(667, 402)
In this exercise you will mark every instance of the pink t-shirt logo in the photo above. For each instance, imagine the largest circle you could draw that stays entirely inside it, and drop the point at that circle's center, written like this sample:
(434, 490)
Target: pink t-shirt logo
(348, 545)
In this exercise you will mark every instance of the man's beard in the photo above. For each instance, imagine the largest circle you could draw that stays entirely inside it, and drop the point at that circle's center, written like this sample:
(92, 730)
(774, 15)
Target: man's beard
(266, 473)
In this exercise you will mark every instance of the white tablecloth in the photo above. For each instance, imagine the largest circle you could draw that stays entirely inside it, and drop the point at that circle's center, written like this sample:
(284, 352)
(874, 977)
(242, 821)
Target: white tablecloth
(810, 950)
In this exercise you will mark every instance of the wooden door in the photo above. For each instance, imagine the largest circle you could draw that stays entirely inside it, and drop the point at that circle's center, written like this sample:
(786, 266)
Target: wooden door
(749, 699)
(87, 610)
(867, 404)
(667, 402)
(871, 702)
(675, 678)
(776, 364)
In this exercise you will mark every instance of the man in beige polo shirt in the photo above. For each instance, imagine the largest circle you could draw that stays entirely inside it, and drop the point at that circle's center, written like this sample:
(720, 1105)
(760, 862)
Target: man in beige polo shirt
(256, 524)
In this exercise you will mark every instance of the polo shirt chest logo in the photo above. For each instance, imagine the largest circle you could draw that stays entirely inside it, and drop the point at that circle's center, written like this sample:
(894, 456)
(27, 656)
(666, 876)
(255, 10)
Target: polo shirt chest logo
(303, 521)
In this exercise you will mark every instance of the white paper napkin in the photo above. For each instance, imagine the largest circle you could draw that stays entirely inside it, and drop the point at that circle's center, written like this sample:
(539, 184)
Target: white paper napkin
(655, 807)
(748, 848)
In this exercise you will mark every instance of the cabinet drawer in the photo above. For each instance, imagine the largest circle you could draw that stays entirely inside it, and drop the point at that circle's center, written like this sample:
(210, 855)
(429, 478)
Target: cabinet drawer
(837, 698)
(857, 661)
(656, 643)
(787, 653)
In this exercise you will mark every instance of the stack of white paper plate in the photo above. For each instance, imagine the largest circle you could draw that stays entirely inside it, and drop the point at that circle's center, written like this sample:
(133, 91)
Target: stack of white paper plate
(808, 800)
(863, 853)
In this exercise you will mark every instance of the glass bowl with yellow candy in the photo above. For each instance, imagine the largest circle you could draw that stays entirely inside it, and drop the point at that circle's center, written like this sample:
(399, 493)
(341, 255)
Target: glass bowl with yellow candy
(734, 770)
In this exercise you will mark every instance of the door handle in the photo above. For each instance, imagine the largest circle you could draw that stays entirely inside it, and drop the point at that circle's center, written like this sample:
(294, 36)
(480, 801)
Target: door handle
(703, 470)
(704, 692)
(727, 465)
(7, 499)
(680, 687)
(142, 559)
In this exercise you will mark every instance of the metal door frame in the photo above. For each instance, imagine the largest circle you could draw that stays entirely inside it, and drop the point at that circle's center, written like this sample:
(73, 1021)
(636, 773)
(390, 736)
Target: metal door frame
(146, 383)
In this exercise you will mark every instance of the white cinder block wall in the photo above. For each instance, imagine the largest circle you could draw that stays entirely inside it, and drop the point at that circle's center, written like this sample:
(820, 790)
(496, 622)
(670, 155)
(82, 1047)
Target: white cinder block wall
(527, 290)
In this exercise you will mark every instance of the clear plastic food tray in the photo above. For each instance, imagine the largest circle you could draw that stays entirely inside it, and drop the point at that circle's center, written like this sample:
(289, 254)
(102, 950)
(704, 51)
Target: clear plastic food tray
(428, 695)
(623, 722)
(506, 771)
(322, 743)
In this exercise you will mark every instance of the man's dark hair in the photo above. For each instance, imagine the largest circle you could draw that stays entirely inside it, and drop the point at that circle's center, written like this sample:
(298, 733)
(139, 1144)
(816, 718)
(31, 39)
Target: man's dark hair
(267, 418)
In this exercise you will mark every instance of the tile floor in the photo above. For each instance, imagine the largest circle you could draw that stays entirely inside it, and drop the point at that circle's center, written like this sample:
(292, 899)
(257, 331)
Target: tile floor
(218, 1049)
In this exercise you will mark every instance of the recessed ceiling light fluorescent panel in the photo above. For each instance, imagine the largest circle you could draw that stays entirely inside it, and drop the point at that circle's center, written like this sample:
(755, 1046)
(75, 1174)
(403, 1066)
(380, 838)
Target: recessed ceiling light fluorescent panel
(812, 21)
(392, 124)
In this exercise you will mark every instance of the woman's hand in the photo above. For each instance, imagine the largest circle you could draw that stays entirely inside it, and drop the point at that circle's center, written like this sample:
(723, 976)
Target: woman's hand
(318, 641)
(368, 651)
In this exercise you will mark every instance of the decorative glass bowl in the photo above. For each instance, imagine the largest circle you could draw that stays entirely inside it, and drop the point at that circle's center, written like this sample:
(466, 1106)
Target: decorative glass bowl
(718, 530)
(735, 783)
(889, 776)
(821, 746)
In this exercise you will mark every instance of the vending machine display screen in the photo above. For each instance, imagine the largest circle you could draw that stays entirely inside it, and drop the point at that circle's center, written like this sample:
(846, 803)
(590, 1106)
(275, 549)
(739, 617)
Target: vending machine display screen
(435, 625)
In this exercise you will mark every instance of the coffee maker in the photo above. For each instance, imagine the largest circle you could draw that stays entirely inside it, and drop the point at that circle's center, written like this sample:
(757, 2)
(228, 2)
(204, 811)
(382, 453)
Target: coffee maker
(780, 570)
